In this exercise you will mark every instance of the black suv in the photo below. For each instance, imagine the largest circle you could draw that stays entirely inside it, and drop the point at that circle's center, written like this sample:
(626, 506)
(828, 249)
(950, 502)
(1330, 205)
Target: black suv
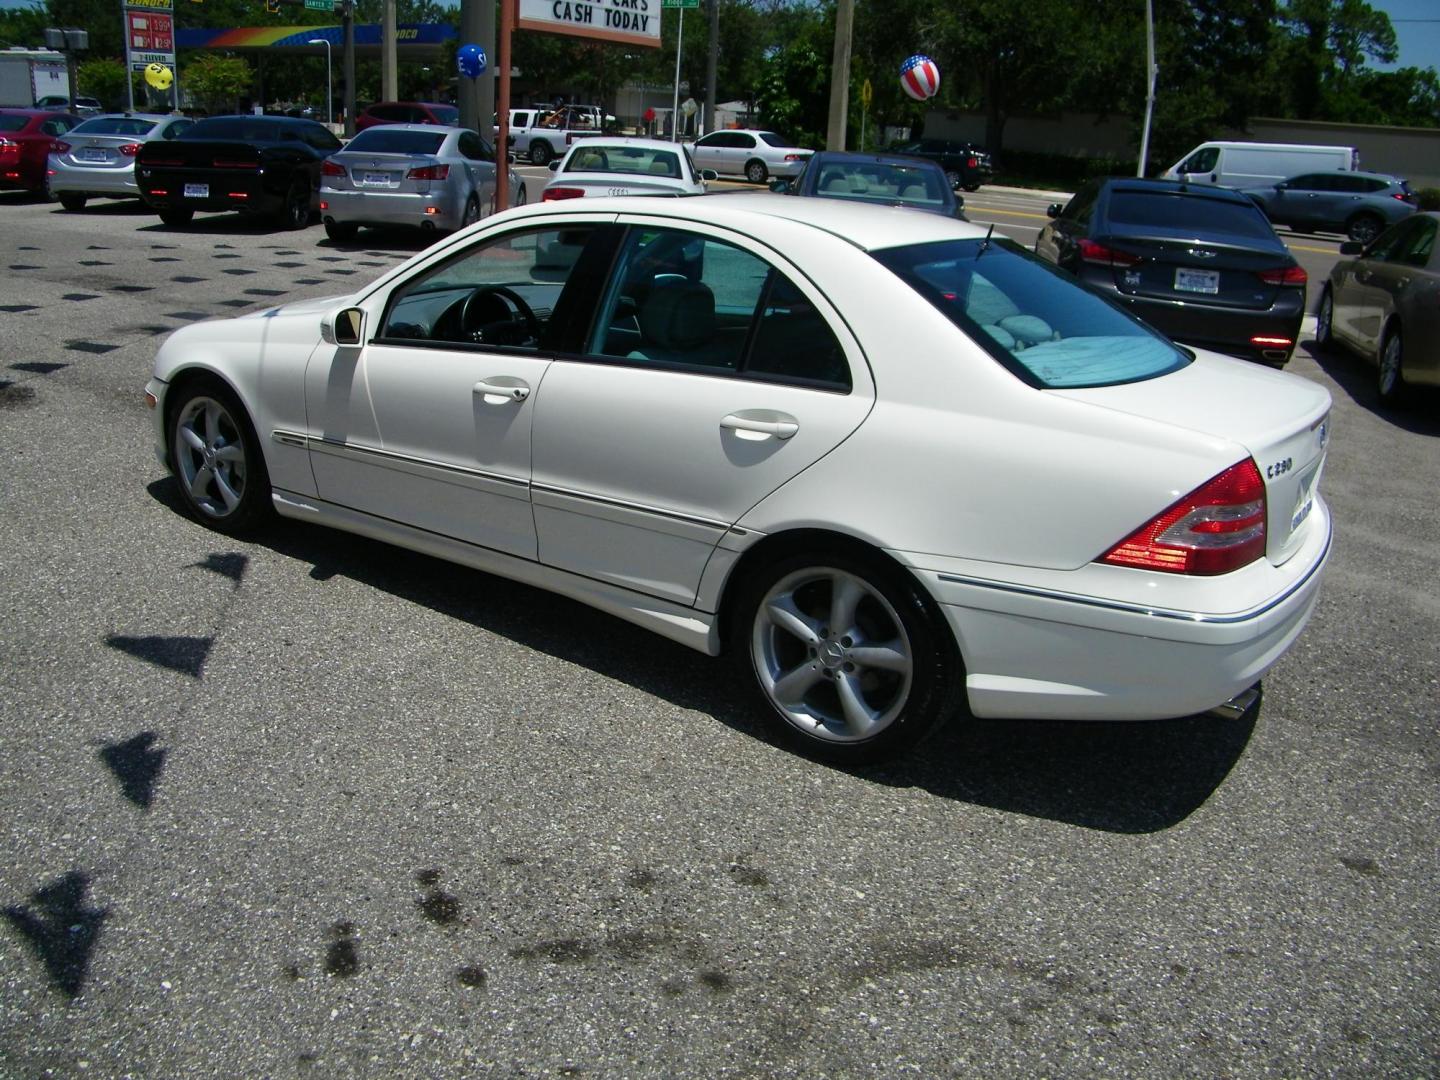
(965, 164)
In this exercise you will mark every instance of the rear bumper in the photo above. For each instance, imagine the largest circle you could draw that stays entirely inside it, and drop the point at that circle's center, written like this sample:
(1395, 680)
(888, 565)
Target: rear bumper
(394, 208)
(252, 192)
(115, 183)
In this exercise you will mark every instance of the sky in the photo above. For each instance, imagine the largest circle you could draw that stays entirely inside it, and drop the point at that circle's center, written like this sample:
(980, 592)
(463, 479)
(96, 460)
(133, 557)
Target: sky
(1416, 22)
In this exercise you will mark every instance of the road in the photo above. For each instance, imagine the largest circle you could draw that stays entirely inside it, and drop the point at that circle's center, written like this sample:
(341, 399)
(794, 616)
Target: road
(312, 806)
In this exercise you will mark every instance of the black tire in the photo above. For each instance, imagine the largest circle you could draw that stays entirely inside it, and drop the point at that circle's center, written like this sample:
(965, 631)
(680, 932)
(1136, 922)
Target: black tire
(339, 231)
(1390, 379)
(953, 178)
(1364, 227)
(1325, 320)
(471, 213)
(222, 489)
(176, 216)
(540, 152)
(891, 622)
(72, 201)
(972, 187)
(295, 214)
(520, 196)
(756, 172)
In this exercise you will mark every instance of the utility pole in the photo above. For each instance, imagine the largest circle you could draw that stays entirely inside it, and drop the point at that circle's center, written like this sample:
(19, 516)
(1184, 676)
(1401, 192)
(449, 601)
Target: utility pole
(840, 75)
(389, 76)
(347, 15)
(1150, 72)
(711, 65)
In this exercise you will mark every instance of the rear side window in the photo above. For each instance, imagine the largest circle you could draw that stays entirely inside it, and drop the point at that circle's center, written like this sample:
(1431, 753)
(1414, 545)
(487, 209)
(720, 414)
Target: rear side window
(1174, 211)
(1034, 319)
(383, 140)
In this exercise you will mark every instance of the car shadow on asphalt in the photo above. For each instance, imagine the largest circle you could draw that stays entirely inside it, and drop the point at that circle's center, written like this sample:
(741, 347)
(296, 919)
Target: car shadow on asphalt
(1137, 777)
(1419, 413)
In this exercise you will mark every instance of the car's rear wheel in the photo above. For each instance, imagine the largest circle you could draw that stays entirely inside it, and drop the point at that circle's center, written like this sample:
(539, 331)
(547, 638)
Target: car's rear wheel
(1391, 380)
(340, 231)
(850, 656)
(953, 178)
(72, 201)
(539, 152)
(216, 458)
(295, 214)
(1325, 320)
(520, 196)
(176, 216)
(972, 187)
(756, 172)
(472, 211)
(1364, 227)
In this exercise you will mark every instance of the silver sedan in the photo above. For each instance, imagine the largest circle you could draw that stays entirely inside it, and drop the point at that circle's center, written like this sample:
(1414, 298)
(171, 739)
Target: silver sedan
(418, 175)
(96, 158)
(619, 166)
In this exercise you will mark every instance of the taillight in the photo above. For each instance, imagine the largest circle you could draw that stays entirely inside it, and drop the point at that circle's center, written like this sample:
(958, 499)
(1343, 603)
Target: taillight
(550, 194)
(1218, 527)
(1285, 275)
(59, 147)
(173, 163)
(9, 146)
(428, 172)
(329, 168)
(794, 157)
(971, 163)
(1092, 252)
(130, 149)
(232, 163)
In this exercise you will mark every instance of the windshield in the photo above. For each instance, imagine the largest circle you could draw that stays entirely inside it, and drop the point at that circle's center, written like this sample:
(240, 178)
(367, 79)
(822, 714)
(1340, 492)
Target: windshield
(1030, 316)
(114, 125)
(386, 140)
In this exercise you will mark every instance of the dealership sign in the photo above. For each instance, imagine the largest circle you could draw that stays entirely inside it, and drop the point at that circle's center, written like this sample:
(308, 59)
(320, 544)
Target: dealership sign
(634, 22)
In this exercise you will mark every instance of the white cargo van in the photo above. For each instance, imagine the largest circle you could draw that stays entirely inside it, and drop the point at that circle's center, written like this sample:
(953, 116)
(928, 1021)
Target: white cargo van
(1251, 164)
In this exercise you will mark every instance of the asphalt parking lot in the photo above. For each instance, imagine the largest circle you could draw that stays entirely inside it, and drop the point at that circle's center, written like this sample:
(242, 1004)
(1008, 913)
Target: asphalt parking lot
(313, 806)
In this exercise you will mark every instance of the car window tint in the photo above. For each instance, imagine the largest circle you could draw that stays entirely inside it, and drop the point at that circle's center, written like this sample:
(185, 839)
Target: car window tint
(1078, 209)
(1419, 245)
(1031, 317)
(446, 114)
(773, 139)
(625, 159)
(793, 341)
(1371, 184)
(115, 125)
(238, 128)
(386, 140)
(875, 182)
(1172, 211)
(1309, 182)
(470, 299)
(12, 123)
(474, 147)
(1202, 160)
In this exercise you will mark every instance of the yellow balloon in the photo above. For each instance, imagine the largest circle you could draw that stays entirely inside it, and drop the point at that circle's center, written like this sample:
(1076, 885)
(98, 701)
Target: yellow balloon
(159, 76)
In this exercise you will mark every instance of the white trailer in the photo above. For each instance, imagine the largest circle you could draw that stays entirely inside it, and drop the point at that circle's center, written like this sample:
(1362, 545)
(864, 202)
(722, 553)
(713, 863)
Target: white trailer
(27, 75)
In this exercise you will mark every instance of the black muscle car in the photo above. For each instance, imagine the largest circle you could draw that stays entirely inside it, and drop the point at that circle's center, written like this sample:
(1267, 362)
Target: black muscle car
(268, 166)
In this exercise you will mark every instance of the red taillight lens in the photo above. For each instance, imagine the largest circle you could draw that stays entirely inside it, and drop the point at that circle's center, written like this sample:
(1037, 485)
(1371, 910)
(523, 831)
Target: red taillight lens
(232, 163)
(1218, 527)
(166, 162)
(329, 168)
(1285, 275)
(971, 163)
(9, 148)
(794, 157)
(59, 147)
(428, 172)
(130, 149)
(550, 194)
(1092, 252)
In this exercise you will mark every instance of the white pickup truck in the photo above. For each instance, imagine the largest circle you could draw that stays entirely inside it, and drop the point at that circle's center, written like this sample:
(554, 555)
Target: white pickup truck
(544, 133)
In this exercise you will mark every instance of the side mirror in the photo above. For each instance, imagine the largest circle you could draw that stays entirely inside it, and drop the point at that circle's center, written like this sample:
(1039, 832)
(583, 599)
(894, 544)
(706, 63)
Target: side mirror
(348, 326)
(1053, 210)
(1182, 169)
(1352, 247)
(709, 174)
(510, 158)
(554, 164)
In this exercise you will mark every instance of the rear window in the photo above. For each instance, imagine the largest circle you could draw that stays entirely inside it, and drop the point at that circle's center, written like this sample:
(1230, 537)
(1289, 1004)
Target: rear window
(114, 125)
(386, 140)
(446, 114)
(771, 139)
(1032, 318)
(12, 122)
(624, 159)
(877, 182)
(239, 128)
(1175, 211)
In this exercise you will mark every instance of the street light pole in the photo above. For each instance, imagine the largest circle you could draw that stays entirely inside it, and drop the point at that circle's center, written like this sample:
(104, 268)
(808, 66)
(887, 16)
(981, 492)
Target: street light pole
(329, 85)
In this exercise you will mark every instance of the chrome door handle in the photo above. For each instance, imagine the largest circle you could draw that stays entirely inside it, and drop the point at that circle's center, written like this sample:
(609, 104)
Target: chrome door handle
(501, 390)
(762, 423)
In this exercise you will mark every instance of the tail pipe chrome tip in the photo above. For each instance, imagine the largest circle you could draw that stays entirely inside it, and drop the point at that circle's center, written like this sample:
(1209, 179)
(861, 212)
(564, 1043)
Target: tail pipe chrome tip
(1238, 706)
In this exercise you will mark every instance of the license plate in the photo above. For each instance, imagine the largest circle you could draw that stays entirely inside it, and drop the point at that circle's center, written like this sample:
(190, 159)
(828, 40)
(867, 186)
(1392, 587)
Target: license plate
(1200, 281)
(93, 154)
(197, 191)
(377, 178)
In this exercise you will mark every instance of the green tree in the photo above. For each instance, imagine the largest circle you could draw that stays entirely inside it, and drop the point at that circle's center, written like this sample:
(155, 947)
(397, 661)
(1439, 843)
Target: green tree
(217, 82)
(103, 78)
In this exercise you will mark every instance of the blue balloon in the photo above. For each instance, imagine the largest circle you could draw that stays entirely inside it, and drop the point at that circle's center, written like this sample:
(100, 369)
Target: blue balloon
(470, 59)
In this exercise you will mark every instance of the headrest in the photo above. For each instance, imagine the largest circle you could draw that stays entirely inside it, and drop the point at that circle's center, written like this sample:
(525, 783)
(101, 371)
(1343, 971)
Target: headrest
(678, 314)
(836, 184)
(660, 167)
(913, 191)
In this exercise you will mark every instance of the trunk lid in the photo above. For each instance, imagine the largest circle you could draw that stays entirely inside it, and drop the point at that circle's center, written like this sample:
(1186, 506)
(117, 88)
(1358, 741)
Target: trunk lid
(382, 172)
(1196, 272)
(1281, 420)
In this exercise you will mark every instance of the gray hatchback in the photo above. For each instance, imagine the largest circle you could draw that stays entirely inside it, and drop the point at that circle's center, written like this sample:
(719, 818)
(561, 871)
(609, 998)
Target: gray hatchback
(1361, 205)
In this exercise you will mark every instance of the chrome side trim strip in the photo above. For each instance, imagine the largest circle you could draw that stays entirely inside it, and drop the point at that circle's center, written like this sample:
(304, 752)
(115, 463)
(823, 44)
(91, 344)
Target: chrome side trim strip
(638, 508)
(288, 438)
(346, 449)
(1141, 609)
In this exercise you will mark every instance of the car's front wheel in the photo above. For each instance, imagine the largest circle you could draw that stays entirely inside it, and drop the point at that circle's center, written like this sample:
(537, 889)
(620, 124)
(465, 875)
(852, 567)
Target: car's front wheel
(850, 657)
(1364, 227)
(216, 459)
(756, 172)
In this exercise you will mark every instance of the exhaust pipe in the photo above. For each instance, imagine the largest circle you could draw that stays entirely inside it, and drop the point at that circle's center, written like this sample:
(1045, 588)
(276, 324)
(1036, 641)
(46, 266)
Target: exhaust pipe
(1277, 355)
(1238, 706)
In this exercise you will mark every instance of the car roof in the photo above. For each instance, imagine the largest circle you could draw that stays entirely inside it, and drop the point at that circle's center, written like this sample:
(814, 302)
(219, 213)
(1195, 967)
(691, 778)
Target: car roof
(866, 225)
(152, 117)
(32, 112)
(625, 140)
(447, 129)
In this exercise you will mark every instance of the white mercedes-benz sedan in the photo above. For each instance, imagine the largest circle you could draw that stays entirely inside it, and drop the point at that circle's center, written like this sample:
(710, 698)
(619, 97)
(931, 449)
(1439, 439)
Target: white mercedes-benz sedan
(895, 466)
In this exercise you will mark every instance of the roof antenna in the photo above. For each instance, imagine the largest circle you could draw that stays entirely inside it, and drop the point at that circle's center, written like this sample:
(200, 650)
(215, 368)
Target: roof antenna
(985, 244)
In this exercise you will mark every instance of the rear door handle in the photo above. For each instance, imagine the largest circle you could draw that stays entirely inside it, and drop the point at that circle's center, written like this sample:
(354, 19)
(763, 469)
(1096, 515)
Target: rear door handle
(761, 424)
(502, 389)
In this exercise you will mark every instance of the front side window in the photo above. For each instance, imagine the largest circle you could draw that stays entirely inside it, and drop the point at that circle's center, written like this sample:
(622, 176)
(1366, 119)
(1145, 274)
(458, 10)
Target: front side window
(1417, 250)
(504, 292)
(1031, 317)
(1202, 160)
(681, 299)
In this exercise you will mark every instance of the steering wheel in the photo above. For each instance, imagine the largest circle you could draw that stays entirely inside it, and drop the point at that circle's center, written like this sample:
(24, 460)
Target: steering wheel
(488, 319)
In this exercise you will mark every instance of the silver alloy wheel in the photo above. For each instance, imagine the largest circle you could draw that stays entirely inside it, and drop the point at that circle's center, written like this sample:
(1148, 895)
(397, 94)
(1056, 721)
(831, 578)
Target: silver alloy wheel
(756, 172)
(832, 655)
(1323, 318)
(1390, 364)
(210, 455)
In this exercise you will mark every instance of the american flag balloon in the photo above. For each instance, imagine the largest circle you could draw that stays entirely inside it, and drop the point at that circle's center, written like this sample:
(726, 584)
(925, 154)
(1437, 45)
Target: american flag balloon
(920, 77)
